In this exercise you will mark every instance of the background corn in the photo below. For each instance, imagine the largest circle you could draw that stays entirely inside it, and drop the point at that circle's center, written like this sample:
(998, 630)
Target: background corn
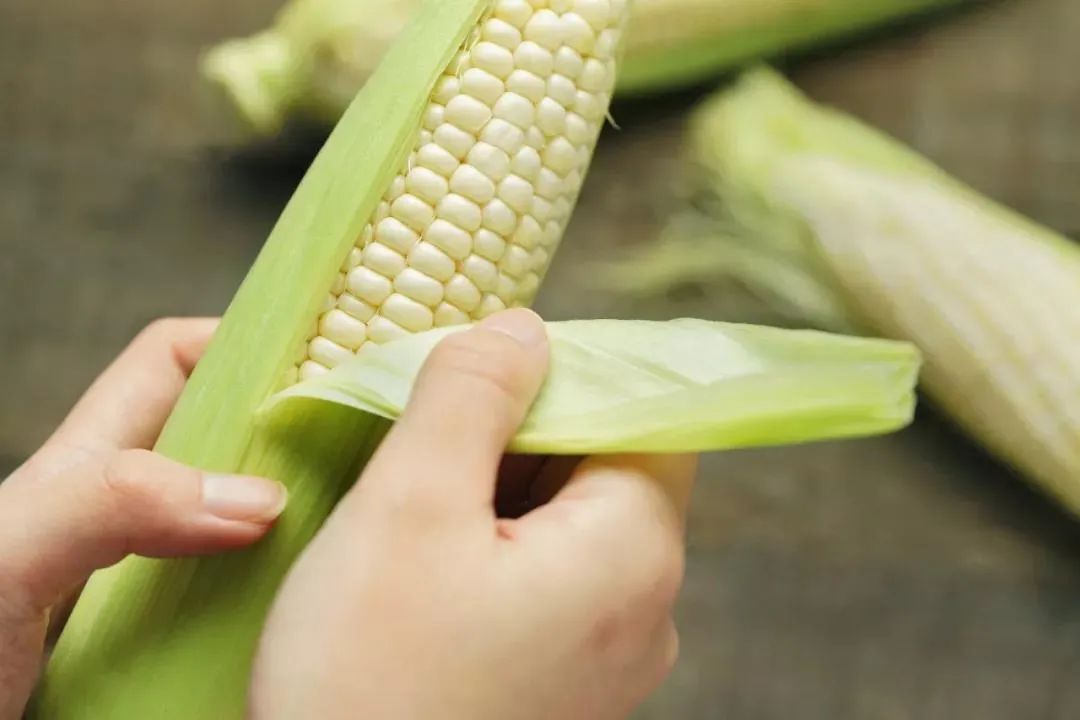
(319, 52)
(835, 224)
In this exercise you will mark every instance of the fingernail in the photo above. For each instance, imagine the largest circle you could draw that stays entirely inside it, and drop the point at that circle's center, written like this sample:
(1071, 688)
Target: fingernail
(521, 324)
(240, 497)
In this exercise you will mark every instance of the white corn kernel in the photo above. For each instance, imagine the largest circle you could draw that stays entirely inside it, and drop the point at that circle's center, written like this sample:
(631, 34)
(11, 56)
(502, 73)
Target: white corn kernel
(515, 262)
(418, 286)
(311, 369)
(594, 76)
(551, 117)
(515, 12)
(383, 260)
(431, 261)
(506, 289)
(493, 58)
(490, 160)
(482, 85)
(489, 306)
(548, 185)
(499, 217)
(568, 62)
(460, 211)
(527, 85)
(483, 273)
(382, 330)
(560, 155)
(596, 12)
(578, 129)
(529, 233)
(467, 113)
(355, 253)
(462, 293)
(502, 135)
(562, 89)
(453, 139)
(545, 29)
(489, 245)
(533, 58)
(515, 109)
(383, 210)
(397, 187)
(472, 184)
(535, 139)
(527, 288)
(449, 238)
(526, 163)
(368, 285)
(446, 315)
(407, 313)
(446, 89)
(435, 157)
(588, 105)
(577, 33)
(343, 329)
(426, 184)
(516, 192)
(542, 210)
(433, 117)
(501, 33)
(413, 211)
(327, 352)
(355, 307)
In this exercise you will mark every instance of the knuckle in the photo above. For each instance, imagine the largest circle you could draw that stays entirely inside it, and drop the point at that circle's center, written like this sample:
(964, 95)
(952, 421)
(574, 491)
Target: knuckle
(123, 478)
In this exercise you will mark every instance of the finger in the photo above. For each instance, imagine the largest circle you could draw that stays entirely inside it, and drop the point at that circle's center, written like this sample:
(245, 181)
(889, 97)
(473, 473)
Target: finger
(625, 513)
(53, 537)
(470, 398)
(128, 404)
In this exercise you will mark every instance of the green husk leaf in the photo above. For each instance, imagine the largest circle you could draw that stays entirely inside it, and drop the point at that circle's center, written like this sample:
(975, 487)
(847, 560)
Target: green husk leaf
(174, 639)
(663, 387)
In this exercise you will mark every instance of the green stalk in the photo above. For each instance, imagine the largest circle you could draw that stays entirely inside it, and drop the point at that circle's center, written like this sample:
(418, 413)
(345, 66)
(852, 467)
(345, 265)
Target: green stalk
(174, 639)
(883, 242)
(319, 52)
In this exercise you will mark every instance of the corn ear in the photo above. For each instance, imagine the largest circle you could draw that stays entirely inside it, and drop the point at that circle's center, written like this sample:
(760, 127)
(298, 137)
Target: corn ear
(310, 63)
(881, 241)
(174, 639)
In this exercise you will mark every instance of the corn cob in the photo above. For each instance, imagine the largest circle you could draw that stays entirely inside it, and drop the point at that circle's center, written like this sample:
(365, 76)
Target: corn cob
(840, 226)
(319, 52)
(475, 133)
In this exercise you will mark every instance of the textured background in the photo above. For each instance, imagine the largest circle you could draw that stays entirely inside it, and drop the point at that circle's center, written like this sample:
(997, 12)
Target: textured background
(904, 577)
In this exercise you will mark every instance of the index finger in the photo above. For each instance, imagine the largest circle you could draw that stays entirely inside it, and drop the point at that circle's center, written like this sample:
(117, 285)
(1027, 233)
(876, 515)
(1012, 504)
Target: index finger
(126, 407)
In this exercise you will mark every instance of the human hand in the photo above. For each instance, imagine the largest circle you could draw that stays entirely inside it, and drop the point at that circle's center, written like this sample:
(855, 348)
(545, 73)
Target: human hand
(416, 600)
(94, 494)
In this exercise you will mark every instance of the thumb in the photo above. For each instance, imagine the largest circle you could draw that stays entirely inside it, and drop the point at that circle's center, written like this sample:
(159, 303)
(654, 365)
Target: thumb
(56, 530)
(472, 394)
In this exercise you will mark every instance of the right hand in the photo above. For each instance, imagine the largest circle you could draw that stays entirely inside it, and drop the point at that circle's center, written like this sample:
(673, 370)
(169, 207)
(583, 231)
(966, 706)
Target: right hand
(417, 600)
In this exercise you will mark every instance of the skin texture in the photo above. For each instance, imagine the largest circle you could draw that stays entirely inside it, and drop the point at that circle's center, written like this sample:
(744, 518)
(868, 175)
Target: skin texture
(94, 493)
(450, 583)
(418, 600)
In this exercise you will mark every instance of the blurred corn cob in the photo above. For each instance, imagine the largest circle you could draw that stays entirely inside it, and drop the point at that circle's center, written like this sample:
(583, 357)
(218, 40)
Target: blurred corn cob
(834, 223)
(319, 52)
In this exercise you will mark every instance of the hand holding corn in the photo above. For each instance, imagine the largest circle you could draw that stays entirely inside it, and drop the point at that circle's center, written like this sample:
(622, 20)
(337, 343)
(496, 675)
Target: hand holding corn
(416, 600)
(415, 550)
(93, 494)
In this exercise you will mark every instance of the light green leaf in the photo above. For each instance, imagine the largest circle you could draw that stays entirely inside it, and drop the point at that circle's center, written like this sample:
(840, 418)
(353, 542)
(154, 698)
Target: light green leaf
(679, 386)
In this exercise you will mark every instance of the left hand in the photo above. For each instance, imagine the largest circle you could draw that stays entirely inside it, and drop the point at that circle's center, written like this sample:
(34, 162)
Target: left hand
(94, 494)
